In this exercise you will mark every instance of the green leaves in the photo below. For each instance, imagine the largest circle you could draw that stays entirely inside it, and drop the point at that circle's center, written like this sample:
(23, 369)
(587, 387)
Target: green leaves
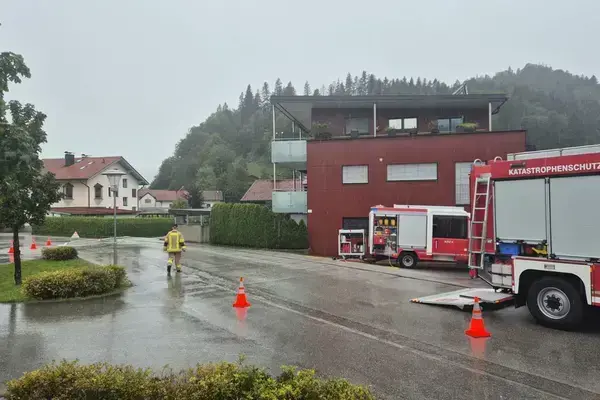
(99, 227)
(253, 225)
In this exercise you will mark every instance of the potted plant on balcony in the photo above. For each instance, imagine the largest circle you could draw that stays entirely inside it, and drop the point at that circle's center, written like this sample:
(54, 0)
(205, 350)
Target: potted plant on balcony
(433, 127)
(391, 131)
(320, 131)
(466, 127)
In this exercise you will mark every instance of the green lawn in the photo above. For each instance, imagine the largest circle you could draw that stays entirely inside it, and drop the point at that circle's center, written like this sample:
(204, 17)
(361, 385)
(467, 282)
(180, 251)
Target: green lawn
(9, 292)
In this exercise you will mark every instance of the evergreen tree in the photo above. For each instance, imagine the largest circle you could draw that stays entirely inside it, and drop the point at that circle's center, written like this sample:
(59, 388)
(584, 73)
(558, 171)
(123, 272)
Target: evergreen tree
(306, 89)
(278, 88)
(349, 88)
(371, 85)
(289, 90)
(363, 84)
(265, 94)
(316, 92)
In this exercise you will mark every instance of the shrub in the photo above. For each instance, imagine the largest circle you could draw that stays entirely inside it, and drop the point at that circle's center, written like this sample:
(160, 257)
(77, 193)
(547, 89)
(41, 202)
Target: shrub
(223, 381)
(98, 227)
(60, 253)
(74, 282)
(252, 225)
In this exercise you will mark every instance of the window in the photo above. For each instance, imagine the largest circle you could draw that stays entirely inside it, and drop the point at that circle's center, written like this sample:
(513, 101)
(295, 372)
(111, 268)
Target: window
(147, 201)
(461, 179)
(124, 201)
(412, 172)
(357, 124)
(108, 192)
(449, 124)
(124, 183)
(356, 223)
(403, 123)
(98, 191)
(133, 193)
(355, 174)
(449, 227)
(68, 190)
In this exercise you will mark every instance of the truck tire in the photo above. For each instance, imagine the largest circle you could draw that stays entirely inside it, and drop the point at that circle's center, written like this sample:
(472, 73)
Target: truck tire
(407, 259)
(554, 302)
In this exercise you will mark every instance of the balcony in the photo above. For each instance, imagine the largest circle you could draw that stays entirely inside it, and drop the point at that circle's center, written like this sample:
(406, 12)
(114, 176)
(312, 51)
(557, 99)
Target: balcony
(289, 202)
(290, 152)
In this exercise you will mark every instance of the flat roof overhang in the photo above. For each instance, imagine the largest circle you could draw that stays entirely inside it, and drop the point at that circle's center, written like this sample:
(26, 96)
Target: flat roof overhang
(299, 108)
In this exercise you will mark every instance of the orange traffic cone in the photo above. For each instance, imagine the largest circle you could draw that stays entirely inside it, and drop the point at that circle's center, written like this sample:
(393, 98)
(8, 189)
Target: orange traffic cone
(33, 245)
(476, 327)
(48, 242)
(11, 250)
(240, 300)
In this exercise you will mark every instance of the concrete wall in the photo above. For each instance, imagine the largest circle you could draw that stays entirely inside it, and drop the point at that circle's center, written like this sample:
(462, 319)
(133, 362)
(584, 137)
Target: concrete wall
(195, 233)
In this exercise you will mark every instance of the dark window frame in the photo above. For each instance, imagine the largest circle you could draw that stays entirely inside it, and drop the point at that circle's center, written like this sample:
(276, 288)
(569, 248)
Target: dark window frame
(98, 191)
(449, 119)
(125, 202)
(355, 183)
(134, 193)
(68, 187)
(348, 132)
(450, 227)
(403, 122)
(124, 183)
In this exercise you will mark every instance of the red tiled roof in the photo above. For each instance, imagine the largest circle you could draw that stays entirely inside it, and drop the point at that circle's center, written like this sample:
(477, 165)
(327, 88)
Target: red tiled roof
(262, 189)
(90, 210)
(164, 195)
(85, 168)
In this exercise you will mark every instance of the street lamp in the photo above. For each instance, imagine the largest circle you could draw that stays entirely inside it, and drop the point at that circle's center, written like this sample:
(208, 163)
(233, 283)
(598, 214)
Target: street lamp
(114, 177)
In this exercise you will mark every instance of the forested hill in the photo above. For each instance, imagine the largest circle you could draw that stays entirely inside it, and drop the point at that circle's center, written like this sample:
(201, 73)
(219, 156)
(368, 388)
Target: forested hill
(231, 148)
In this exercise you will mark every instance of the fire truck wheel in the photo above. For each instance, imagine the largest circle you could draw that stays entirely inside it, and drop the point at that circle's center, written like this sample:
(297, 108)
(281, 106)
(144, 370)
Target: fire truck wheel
(407, 259)
(555, 302)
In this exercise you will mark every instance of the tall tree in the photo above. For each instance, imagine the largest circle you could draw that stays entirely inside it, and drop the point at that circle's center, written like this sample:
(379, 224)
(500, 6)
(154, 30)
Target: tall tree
(349, 85)
(26, 192)
(194, 196)
(289, 90)
(278, 88)
(363, 84)
(265, 94)
(306, 89)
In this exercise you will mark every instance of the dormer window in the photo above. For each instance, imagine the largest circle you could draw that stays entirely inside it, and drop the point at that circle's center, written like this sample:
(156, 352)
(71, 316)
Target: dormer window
(98, 191)
(68, 191)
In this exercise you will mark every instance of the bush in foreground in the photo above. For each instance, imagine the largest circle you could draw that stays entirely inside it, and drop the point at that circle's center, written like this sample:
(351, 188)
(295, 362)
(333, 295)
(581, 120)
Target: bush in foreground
(60, 253)
(253, 225)
(99, 227)
(223, 381)
(74, 282)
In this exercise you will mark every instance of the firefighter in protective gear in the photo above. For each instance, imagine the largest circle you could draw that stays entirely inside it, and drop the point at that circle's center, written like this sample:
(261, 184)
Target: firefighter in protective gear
(174, 244)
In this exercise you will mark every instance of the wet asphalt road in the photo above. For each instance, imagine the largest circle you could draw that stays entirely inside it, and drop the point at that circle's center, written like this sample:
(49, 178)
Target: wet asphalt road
(343, 319)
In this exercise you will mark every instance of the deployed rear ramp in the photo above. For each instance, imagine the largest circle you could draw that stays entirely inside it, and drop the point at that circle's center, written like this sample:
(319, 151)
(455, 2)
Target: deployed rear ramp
(465, 298)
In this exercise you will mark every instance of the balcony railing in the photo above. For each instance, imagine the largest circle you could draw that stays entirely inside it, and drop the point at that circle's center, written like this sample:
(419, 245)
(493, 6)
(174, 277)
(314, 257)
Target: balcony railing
(289, 202)
(289, 152)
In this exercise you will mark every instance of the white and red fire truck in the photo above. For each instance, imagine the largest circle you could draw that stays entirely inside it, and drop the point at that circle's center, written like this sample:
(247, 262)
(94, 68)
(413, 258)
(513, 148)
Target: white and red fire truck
(411, 233)
(535, 230)
(535, 234)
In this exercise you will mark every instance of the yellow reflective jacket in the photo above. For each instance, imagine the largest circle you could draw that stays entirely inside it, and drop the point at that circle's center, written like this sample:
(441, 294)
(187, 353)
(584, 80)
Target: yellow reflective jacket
(174, 242)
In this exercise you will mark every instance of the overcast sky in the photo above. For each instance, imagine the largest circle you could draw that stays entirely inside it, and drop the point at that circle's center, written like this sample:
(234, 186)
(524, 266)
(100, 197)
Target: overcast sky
(125, 77)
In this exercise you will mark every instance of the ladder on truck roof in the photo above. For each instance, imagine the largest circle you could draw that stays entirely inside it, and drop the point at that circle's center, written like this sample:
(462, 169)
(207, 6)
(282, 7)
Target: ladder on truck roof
(479, 221)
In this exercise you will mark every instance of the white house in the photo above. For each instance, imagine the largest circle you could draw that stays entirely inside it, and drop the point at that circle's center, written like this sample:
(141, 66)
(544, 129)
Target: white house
(162, 199)
(87, 190)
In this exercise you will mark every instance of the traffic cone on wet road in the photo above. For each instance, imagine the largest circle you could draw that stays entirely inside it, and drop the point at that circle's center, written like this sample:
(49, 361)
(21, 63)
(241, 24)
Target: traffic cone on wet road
(11, 249)
(476, 327)
(48, 242)
(240, 300)
(33, 245)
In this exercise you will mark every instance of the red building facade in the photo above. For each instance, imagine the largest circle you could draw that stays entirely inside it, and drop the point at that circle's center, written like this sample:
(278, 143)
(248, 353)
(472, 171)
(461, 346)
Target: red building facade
(333, 204)
(360, 151)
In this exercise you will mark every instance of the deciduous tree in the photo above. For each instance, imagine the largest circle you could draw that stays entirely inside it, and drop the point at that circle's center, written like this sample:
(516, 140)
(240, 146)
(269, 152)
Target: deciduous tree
(26, 192)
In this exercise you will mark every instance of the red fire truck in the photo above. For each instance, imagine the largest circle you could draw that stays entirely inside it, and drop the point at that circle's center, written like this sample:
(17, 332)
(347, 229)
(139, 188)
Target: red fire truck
(411, 233)
(535, 231)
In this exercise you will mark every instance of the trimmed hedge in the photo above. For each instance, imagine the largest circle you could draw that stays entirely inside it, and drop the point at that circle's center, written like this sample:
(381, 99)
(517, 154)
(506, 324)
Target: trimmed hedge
(223, 381)
(61, 253)
(253, 225)
(99, 227)
(74, 282)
